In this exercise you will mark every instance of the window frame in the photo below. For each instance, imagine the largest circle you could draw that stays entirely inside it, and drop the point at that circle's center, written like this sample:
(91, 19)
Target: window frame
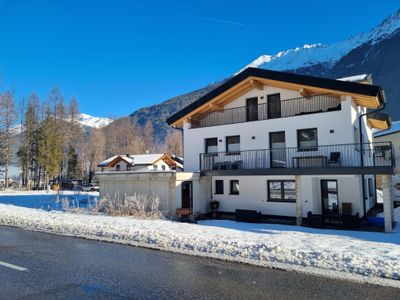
(234, 152)
(206, 145)
(336, 192)
(231, 183)
(216, 190)
(370, 187)
(300, 149)
(282, 183)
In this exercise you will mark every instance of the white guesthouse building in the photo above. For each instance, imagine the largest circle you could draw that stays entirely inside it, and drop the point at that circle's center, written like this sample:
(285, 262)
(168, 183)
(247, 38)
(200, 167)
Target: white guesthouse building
(286, 144)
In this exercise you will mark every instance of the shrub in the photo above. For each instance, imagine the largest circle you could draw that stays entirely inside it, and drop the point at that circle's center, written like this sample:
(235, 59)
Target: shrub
(138, 205)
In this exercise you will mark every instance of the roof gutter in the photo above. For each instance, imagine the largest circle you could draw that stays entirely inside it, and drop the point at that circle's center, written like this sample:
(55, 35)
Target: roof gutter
(382, 106)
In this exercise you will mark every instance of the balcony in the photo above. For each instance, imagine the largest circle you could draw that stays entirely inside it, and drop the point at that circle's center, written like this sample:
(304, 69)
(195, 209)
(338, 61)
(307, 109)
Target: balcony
(377, 158)
(265, 111)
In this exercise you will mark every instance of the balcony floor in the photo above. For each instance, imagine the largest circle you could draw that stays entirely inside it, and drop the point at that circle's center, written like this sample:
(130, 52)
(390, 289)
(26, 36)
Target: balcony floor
(303, 171)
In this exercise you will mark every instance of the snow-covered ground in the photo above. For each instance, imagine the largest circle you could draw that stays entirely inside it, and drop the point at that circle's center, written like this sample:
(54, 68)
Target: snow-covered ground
(362, 254)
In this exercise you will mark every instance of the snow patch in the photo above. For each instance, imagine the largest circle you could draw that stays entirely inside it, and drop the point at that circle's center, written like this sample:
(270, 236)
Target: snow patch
(93, 122)
(375, 255)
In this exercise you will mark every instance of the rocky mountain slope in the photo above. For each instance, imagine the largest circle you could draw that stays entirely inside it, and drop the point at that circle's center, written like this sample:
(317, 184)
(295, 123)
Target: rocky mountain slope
(376, 52)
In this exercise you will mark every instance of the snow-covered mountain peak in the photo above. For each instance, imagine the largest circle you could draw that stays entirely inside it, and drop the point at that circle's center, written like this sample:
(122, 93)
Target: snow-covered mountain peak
(93, 122)
(385, 29)
(326, 54)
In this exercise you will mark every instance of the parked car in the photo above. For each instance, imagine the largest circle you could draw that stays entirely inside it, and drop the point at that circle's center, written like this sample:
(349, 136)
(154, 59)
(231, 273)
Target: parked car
(90, 187)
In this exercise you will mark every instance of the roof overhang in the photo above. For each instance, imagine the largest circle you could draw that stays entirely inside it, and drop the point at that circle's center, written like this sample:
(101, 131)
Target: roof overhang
(365, 95)
(380, 121)
(167, 159)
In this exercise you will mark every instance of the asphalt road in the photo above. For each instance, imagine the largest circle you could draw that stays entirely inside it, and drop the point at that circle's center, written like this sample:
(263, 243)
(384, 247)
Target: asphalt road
(71, 268)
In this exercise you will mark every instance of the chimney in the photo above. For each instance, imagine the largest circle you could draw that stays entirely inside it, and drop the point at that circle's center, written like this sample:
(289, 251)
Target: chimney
(127, 155)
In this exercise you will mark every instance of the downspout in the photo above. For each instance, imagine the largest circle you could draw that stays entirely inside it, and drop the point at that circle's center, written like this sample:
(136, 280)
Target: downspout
(380, 108)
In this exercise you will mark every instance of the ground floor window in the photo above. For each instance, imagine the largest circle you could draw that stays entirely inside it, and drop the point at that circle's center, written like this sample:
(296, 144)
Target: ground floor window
(330, 200)
(370, 187)
(219, 187)
(234, 187)
(281, 191)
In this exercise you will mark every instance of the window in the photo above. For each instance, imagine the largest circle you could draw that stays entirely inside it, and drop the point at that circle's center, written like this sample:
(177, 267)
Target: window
(211, 145)
(356, 138)
(163, 167)
(370, 187)
(234, 187)
(233, 144)
(330, 200)
(118, 168)
(155, 167)
(307, 139)
(128, 167)
(219, 187)
(281, 190)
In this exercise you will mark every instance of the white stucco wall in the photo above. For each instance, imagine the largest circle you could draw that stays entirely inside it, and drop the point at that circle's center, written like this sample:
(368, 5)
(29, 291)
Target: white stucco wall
(253, 194)
(201, 191)
(341, 122)
(162, 184)
(167, 185)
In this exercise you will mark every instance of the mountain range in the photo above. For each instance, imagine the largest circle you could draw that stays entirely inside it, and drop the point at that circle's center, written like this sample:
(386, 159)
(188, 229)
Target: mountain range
(375, 52)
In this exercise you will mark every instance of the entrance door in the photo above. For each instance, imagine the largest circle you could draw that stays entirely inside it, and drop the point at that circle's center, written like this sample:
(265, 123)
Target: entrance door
(252, 109)
(329, 195)
(187, 194)
(277, 144)
(274, 106)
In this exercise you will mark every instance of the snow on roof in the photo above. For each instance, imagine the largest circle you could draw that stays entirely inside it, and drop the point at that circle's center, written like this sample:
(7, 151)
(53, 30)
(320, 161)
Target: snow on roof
(146, 159)
(105, 162)
(395, 128)
(136, 159)
(355, 78)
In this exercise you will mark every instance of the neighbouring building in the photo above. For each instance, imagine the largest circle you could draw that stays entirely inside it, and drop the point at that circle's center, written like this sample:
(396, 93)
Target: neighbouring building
(286, 144)
(140, 162)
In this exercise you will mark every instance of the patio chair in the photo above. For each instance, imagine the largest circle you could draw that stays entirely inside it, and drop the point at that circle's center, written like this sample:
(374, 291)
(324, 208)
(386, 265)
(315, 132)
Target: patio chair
(351, 222)
(347, 208)
(335, 159)
(314, 220)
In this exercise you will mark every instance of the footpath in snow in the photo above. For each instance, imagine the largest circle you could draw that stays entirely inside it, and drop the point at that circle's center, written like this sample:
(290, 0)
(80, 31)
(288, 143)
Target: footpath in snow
(331, 252)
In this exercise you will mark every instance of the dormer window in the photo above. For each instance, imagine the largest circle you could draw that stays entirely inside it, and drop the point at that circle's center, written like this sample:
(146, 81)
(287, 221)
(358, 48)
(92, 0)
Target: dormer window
(118, 167)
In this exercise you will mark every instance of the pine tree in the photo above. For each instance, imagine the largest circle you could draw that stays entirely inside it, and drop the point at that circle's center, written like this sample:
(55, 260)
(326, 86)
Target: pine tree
(73, 168)
(50, 148)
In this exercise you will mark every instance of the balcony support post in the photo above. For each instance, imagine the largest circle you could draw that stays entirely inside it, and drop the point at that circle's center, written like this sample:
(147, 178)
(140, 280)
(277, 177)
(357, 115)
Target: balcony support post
(387, 190)
(299, 210)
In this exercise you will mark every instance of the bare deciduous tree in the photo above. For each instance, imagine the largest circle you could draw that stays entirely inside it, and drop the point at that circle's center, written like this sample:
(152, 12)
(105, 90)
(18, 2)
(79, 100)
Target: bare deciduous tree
(8, 118)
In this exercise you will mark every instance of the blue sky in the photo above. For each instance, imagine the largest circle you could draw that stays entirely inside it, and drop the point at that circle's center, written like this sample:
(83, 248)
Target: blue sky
(118, 56)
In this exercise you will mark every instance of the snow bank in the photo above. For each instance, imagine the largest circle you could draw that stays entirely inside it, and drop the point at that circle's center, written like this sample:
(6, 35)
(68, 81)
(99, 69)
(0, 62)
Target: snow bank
(262, 245)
